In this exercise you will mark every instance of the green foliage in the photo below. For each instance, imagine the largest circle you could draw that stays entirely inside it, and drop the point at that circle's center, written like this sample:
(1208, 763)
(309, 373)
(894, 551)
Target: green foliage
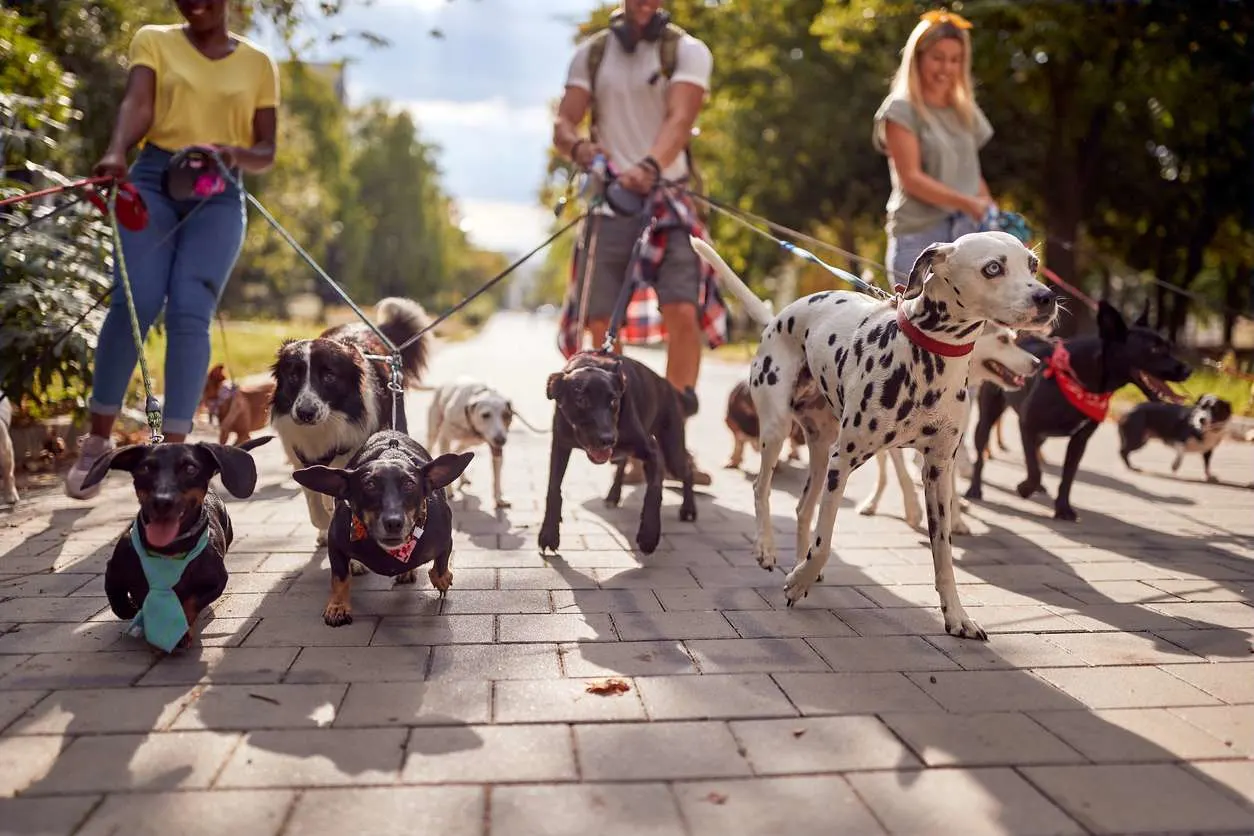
(54, 271)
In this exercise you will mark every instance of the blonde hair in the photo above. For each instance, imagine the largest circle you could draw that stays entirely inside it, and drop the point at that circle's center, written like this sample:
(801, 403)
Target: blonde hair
(906, 83)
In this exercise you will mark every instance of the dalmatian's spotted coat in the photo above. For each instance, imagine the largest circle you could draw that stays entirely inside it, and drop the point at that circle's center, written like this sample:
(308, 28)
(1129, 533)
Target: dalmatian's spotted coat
(840, 363)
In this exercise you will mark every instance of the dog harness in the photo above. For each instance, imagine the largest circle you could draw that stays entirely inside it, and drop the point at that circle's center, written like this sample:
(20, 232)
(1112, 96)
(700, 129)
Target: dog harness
(402, 552)
(161, 620)
(1094, 405)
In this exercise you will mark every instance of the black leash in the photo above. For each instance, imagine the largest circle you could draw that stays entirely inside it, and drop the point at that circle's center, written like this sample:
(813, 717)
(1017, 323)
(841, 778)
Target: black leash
(488, 285)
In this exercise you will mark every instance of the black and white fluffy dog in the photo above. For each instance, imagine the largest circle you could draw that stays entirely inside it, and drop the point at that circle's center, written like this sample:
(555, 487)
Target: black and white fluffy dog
(863, 374)
(329, 398)
(1186, 429)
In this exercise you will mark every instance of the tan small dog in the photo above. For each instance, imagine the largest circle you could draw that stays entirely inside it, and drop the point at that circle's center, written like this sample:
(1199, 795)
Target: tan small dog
(241, 408)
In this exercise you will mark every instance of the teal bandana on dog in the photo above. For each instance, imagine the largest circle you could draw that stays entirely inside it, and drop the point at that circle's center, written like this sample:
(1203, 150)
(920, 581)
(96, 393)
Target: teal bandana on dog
(161, 620)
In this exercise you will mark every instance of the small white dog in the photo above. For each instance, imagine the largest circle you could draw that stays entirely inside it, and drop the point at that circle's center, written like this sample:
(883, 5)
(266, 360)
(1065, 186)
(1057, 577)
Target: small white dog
(466, 413)
(996, 359)
(8, 483)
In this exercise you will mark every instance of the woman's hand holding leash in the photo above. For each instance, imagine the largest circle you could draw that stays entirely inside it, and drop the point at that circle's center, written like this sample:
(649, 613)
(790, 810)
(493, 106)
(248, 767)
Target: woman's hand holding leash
(112, 164)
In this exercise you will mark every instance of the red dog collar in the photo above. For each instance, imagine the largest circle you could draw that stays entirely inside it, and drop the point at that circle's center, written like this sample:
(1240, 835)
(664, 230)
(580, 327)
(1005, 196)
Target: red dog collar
(930, 344)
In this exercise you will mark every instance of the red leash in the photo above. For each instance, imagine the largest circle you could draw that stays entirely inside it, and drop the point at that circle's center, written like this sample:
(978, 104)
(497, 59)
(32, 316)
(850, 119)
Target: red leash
(132, 213)
(77, 184)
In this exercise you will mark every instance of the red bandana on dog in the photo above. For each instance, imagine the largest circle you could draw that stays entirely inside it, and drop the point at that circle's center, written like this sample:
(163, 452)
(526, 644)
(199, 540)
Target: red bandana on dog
(1094, 405)
(401, 553)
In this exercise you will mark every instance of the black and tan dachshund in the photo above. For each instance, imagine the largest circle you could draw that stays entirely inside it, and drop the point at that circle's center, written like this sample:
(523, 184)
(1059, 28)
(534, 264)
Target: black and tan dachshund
(181, 520)
(1069, 395)
(612, 406)
(391, 515)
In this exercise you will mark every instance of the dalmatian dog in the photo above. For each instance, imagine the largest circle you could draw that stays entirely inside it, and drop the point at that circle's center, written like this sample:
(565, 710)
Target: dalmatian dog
(863, 374)
(996, 359)
(466, 413)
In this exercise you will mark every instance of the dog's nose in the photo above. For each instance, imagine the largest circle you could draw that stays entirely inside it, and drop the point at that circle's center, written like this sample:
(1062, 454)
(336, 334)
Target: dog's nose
(306, 414)
(1043, 297)
(161, 504)
(393, 524)
(498, 441)
(605, 440)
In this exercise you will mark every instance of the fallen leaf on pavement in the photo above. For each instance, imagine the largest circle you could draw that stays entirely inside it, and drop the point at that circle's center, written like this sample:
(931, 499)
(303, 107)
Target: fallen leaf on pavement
(608, 687)
(716, 798)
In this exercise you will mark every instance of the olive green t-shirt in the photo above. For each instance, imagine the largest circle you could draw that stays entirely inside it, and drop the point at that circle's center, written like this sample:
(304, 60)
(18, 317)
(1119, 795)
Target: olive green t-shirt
(949, 152)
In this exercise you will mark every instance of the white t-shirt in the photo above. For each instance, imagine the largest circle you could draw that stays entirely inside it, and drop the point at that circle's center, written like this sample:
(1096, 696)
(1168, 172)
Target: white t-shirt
(630, 110)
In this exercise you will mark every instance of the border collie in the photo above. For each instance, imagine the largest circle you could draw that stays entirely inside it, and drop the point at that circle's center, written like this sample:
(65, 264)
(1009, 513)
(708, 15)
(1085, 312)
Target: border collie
(329, 398)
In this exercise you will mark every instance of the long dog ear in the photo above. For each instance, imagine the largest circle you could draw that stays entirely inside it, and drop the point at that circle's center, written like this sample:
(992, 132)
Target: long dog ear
(554, 386)
(445, 469)
(1143, 321)
(239, 471)
(123, 458)
(331, 481)
(927, 261)
(1110, 324)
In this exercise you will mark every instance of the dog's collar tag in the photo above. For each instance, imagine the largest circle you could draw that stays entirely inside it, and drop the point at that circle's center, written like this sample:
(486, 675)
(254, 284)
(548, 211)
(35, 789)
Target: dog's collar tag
(402, 552)
(927, 343)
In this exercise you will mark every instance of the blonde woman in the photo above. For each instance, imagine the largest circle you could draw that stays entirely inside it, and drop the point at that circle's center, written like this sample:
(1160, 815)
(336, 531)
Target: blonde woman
(932, 131)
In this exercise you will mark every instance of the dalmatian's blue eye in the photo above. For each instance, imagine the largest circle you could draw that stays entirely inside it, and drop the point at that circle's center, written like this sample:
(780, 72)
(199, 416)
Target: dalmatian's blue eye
(993, 269)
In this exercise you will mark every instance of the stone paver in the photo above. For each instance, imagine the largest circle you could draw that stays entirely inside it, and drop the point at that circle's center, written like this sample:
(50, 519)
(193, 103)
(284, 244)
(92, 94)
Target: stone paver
(1116, 693)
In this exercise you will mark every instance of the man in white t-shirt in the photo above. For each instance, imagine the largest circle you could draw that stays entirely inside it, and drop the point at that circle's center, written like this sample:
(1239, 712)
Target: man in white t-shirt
(644, 123)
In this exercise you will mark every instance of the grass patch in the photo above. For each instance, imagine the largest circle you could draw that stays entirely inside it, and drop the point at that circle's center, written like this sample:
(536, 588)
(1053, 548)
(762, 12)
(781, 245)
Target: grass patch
(1204, 381)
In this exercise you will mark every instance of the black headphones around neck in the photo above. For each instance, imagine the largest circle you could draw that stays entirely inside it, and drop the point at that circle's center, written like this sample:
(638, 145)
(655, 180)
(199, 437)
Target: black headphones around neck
(627, 35)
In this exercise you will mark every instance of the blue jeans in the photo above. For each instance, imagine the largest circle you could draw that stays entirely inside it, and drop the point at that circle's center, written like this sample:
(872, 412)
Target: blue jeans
(184, 273)
(904, 250)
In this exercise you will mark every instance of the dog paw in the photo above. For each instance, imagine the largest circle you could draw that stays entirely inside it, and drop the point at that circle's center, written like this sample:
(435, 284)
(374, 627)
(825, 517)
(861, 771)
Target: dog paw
(960, 624)
(1026, 489)
(797, 585)
(1065, 513)
(647, 539)
(441, 582)
(974, 492)
(959, 526)
(868, 509)
(406, 577)
(502, 503)
(731, 466)
(321, 539)
(549, 539)
(915, 521)
(357, 568)
(1212, 478)
(613, 499)
(764, 556)
(337, 614)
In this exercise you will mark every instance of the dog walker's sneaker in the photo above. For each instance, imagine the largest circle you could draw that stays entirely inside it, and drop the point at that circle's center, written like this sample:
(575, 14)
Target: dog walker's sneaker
(90, 448)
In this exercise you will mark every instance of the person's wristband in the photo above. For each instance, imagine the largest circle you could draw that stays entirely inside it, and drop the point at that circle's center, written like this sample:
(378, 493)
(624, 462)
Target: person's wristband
(649, 162)
(574, 149)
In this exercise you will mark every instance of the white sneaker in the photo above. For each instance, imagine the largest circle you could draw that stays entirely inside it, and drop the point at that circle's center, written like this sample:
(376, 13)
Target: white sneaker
(90, 449)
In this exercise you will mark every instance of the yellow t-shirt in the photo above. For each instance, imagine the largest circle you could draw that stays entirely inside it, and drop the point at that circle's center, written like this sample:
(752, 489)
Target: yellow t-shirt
(200, 101)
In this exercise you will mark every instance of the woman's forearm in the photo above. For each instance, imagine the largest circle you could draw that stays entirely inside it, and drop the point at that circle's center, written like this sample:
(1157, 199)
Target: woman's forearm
(930, 190)
(255, 160)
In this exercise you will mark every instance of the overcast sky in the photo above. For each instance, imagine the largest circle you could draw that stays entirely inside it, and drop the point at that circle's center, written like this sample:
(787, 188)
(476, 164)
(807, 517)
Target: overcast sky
(481, 93)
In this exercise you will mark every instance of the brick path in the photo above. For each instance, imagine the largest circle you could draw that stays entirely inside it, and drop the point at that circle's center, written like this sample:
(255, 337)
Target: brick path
(1116, 694)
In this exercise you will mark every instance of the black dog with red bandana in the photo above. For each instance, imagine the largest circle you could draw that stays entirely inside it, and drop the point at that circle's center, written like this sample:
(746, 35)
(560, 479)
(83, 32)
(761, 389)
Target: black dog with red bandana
(391, 515)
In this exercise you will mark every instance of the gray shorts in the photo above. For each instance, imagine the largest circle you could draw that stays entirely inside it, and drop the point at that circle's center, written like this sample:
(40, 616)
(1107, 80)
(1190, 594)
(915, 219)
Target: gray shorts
(679, 275)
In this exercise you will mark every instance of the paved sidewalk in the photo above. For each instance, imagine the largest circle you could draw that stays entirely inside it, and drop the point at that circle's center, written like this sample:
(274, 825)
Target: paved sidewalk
(1116, 693)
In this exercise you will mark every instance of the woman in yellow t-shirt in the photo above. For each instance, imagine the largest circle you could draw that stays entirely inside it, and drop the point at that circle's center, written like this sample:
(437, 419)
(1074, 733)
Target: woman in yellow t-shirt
(195, 83)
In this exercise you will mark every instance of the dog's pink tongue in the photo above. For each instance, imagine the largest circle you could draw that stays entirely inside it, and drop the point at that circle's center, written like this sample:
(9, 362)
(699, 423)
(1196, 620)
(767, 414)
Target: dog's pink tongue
(161, 533)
